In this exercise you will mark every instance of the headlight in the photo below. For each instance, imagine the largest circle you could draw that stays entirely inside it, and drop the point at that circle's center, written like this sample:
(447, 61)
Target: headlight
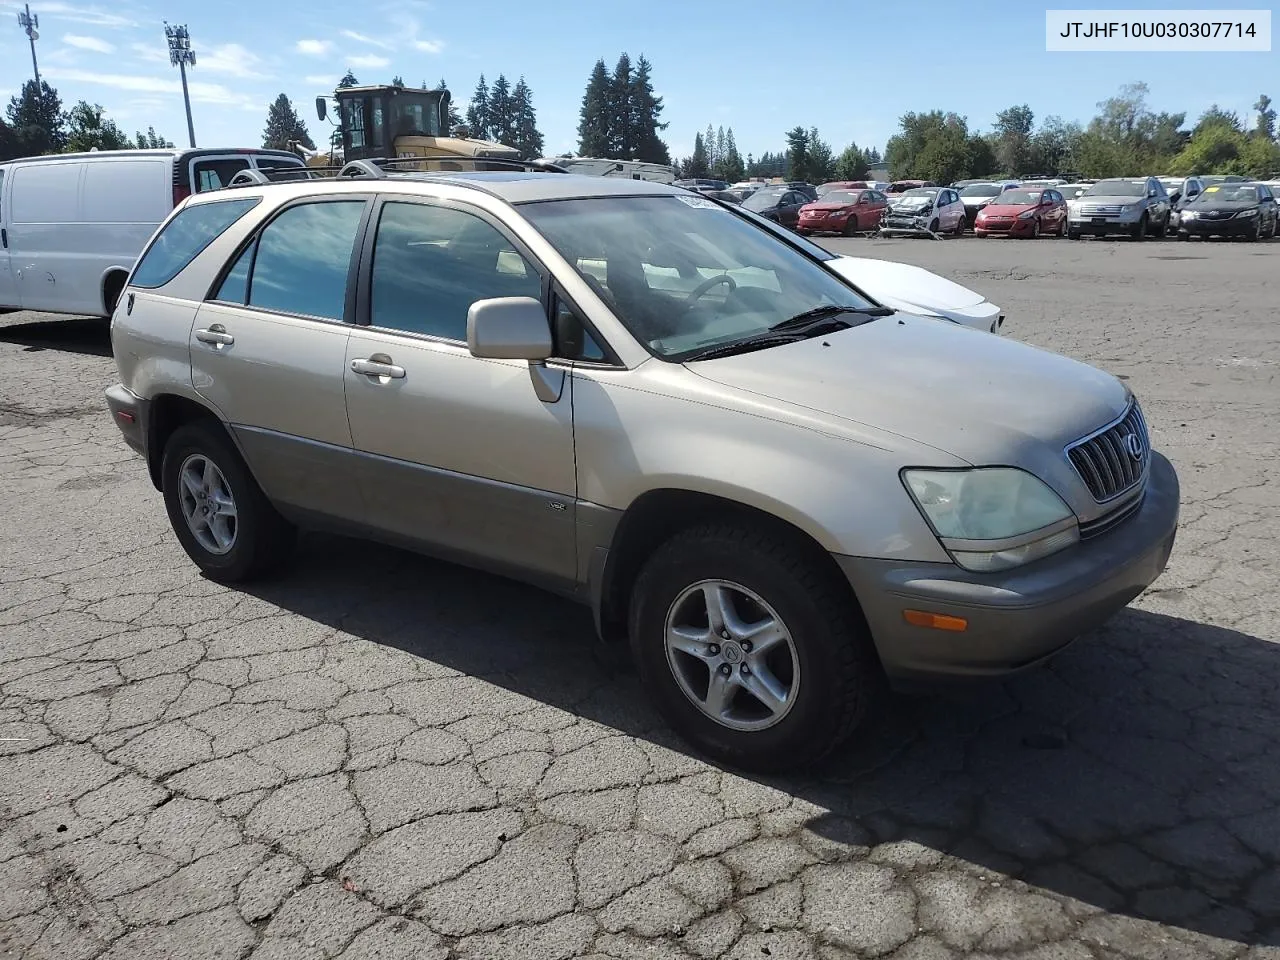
(1126, 208)
(1245, 214)
(992, 518)
(1026, 215)
(1189, 214)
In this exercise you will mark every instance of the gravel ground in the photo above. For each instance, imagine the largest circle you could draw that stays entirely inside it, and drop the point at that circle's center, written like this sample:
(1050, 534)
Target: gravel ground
(383, 756)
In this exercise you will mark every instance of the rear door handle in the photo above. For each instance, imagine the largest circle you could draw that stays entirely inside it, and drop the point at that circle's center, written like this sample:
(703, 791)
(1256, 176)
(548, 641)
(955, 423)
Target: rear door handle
(215, 335)
(377, 368)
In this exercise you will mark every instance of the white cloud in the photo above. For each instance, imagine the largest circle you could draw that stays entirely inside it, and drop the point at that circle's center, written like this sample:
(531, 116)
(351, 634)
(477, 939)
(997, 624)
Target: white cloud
(314, 48)
(201, 92)
(362, 38)
(323, 80)
(88, 43)
(91, 15)
(369, 61)
(429, 46)
(233, 60)
(151, 52)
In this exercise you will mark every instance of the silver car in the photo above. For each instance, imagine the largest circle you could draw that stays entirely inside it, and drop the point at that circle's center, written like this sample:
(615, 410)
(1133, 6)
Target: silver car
(779, 492)
(1135, 207)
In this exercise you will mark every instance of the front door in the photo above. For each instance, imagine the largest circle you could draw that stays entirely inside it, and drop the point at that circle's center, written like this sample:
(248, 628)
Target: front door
(8, 288)
(268, 352)
(456, 452)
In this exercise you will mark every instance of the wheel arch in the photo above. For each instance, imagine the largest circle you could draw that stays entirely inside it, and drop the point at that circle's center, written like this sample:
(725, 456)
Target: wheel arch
(166, 413)
(656, 516)
(111, 286)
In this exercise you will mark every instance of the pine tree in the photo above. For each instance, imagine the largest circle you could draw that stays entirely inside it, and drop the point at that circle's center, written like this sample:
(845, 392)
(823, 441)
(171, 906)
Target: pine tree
(502, 121)
(397, 81)
(349, 80)
(623, 129)
(697, 165)
(527, 139)
(647, 109)
(722, 152)
(734, 169)
(593, 118)
(478, 111)
(37, 120)
(285, 127)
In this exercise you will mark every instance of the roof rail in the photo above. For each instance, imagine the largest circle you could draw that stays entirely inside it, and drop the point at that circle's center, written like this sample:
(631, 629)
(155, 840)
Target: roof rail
(253, 177)
(379, 167)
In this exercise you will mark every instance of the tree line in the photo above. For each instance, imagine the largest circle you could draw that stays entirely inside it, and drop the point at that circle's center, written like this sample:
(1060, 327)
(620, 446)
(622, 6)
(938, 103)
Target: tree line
(36, 124)
(1126, 138)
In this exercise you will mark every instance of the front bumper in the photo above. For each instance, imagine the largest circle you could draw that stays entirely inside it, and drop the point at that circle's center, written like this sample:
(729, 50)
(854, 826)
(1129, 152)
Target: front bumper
(1022, 616)
(1002, 228)
(1108, 225)
(822, 224)
(1233, 227)
(129, 412)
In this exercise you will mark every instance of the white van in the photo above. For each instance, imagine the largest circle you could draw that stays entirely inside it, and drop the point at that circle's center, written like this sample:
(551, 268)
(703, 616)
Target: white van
(72, 224)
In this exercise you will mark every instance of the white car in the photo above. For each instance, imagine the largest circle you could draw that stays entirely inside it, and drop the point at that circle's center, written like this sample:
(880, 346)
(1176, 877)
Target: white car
(913, 289)
(902, 286)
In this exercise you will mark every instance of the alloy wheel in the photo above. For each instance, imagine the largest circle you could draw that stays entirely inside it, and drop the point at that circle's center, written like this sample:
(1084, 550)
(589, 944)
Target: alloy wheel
(208, 504)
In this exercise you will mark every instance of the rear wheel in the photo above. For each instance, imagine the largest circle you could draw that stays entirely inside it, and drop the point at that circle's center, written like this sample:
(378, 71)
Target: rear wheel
(220, 515)
(751, 650)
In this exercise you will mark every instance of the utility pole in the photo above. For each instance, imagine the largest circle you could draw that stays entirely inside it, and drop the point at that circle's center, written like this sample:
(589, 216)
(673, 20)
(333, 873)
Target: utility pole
(29, 22)
(181, 54)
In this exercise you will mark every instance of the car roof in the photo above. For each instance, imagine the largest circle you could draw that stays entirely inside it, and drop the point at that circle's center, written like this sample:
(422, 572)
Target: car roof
(512, 186)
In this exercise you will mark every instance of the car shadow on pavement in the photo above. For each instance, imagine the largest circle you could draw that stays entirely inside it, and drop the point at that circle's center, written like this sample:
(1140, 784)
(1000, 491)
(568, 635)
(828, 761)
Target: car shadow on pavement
(85, 335)
(1138, 773)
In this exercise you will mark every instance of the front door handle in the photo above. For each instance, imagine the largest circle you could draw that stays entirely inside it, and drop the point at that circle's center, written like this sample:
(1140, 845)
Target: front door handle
(216, 335)
(377, 366)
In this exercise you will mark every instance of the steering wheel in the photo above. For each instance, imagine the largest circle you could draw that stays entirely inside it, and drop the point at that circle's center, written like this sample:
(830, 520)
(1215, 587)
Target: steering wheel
(698, 292)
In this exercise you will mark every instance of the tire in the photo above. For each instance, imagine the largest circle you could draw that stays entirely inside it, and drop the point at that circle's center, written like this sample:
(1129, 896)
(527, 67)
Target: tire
(260, 539)
(1073, 234)
(1140, 231)
(1253, 235)
(933, 226)
(1035, 229)
(838, 675)
(850, 226)
(1183, 236)
(1163, 230)
(960, 228)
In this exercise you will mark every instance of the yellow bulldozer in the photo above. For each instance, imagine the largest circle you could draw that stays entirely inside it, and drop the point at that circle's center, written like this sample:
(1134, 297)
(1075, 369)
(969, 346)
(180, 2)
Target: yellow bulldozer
(397, 122)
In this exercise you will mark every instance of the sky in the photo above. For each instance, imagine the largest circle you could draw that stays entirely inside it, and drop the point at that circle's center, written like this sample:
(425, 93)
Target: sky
(849, 69)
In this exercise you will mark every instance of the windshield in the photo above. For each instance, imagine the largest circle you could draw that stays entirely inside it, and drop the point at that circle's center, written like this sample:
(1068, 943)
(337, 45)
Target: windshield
(684, 274)
(1117, 188)
(763, 199)
(841, 196)
(1020, 197)
(981, 190)
(917, 197)
(1228, 193)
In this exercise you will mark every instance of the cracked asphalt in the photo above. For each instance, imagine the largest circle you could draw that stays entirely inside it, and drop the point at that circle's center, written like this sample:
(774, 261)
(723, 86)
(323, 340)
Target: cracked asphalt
(381, 756)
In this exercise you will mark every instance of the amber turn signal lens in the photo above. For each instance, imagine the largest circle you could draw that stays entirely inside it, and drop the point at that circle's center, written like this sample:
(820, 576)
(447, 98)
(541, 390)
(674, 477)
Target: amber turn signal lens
(938, 621)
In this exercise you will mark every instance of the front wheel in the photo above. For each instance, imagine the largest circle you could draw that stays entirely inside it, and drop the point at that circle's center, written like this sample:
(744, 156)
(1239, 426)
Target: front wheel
(1140, 231)
(220, 515)
(933, 226)
(752, 651)
(1035, 229)
(1073, 234)
(850, 226)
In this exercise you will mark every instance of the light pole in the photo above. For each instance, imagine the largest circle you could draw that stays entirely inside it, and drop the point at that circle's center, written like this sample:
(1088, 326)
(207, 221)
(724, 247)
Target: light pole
(181, 54)
(29, 22)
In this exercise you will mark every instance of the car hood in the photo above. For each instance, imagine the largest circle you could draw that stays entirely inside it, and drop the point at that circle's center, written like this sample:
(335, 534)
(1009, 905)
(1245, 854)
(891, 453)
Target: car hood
(1008, 209)
(912, 287)
(1108, 201)
(939, 384)
(975, 201)
(826, 205)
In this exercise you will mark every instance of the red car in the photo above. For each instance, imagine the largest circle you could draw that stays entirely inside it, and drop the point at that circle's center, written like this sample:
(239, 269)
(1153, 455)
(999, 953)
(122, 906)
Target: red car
(843, 211)
(1019, 212)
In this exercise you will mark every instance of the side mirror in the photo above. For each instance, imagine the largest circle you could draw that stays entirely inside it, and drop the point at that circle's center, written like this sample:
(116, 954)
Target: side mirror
(322, 108)
(509, 328)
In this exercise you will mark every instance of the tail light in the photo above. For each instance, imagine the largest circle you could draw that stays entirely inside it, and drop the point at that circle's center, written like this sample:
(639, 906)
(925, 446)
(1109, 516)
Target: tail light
(180, 193)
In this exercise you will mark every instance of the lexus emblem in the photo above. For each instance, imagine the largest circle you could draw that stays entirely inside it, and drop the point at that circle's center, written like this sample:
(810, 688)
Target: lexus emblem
(1133, 443)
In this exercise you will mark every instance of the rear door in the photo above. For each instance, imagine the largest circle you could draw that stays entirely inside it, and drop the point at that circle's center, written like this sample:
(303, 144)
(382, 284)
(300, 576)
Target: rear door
(8, 287)
(268, 349)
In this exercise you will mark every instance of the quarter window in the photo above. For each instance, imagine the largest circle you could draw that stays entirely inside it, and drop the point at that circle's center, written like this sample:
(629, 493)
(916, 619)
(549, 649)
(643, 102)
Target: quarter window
(216, 174)
(184, 237)
(304, 258)
(431, 263)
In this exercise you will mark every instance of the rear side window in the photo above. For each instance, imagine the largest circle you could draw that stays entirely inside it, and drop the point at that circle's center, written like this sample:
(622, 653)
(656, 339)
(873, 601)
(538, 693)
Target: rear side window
(183, 238)
(303, 260)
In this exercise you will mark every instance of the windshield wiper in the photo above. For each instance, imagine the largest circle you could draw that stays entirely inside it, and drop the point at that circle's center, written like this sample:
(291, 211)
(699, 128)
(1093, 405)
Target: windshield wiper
(827, 312)
(759, 342)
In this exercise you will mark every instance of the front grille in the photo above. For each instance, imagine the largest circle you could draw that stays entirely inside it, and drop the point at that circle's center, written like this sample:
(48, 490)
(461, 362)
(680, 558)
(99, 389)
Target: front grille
(1109, 521)
(1217, 214)
(1106, 461)
(1100, 210)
